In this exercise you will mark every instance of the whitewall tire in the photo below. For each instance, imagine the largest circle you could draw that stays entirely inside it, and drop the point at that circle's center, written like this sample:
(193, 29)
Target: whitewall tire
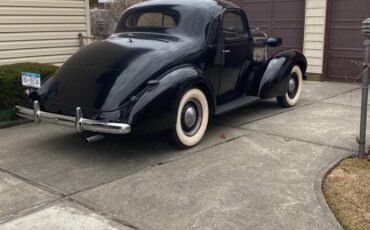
(291, 97)
(192, 119)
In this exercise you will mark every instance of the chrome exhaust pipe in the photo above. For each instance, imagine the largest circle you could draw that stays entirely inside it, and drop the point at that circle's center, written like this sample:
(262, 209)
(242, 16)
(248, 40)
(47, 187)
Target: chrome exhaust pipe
(94, 138)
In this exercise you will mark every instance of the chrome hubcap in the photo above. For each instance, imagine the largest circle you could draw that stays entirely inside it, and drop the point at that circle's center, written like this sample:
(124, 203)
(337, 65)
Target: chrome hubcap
(191, 117)
(292, 85)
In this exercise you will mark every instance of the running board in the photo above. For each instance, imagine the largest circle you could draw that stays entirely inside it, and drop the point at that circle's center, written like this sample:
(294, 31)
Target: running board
(236, 104)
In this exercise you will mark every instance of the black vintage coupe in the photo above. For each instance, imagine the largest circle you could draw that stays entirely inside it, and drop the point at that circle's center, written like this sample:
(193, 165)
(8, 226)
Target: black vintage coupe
(169, 66)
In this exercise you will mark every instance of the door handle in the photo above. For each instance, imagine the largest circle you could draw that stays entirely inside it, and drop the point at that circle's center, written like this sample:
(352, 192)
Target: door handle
(226, 51)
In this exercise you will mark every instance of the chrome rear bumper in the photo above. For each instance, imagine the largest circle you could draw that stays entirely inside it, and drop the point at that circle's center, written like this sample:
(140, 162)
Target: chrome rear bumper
(78, 122)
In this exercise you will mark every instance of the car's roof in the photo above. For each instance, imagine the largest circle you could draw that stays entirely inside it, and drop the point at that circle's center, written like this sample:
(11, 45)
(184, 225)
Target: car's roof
(198, 17)
(196, 4)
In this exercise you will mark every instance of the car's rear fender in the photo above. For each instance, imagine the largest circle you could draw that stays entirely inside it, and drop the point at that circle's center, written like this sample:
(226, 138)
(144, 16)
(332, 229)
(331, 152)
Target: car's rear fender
(156, 109)
(275, 79)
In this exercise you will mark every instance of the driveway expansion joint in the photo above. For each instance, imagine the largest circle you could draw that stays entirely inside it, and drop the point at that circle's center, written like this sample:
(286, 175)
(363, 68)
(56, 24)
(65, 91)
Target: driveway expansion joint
(97, 211)
(348, 91)
(30, 182)
(310, 102)
(302, 140)
(286, 137)
(33, 209)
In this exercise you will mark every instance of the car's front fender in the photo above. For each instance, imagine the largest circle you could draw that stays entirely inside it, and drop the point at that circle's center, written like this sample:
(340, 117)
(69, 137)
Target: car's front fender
(156, 109)
(274, 82)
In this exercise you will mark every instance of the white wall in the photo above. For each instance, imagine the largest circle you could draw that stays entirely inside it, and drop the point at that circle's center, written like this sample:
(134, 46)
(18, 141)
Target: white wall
(44, 31)
(314, 36)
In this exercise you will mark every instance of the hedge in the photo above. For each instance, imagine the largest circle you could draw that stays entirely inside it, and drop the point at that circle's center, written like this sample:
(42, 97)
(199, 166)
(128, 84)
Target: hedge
(11, 89)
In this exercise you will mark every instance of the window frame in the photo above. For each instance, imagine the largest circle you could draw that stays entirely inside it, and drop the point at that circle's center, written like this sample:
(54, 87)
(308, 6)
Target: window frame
(244, 36)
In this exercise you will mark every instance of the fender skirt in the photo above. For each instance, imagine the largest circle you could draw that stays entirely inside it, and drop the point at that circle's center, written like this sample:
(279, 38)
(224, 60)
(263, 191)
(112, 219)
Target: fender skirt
(275, 79)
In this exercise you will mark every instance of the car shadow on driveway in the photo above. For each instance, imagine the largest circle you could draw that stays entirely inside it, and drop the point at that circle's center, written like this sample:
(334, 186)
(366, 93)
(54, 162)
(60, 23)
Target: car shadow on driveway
(59, 159)
(258, 111)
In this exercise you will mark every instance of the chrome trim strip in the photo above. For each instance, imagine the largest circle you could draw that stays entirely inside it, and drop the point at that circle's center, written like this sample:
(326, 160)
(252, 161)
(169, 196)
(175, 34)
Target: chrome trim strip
(78, 122)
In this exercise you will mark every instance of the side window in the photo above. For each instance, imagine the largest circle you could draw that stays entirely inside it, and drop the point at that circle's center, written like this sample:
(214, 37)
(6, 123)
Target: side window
(233, 27)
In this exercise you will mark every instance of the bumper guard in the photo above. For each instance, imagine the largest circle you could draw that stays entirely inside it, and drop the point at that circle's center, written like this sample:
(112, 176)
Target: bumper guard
(79, 123)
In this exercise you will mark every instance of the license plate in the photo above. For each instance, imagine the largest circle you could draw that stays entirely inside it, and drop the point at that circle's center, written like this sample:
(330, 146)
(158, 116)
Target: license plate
(31, 80)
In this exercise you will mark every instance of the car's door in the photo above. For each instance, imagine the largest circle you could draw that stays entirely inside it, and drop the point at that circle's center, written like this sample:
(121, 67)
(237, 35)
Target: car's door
(237, 54)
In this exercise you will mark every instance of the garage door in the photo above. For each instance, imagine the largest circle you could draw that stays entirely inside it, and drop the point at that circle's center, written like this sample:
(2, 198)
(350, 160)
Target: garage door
(344, 38)
(283, 18)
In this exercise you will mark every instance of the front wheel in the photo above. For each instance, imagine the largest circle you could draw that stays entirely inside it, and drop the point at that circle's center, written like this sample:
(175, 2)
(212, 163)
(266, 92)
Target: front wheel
(291, 97)
(192, 119)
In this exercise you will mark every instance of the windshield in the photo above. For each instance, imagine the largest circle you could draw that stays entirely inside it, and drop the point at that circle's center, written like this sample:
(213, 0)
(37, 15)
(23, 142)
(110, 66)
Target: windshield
(142, 20)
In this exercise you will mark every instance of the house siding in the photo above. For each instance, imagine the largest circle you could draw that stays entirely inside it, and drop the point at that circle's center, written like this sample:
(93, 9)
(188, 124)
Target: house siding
(314, 35)
(44, 31)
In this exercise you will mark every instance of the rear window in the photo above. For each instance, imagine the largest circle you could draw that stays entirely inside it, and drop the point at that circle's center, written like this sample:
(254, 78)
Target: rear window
(155, 19)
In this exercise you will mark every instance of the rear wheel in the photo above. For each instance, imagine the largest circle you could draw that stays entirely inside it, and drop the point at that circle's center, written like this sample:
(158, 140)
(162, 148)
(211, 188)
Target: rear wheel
(192, 119)
(291, 97)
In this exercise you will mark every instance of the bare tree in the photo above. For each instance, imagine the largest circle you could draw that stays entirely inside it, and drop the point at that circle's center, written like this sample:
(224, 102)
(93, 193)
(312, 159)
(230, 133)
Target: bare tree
(119, 6)
(93, 3)
(109, 16)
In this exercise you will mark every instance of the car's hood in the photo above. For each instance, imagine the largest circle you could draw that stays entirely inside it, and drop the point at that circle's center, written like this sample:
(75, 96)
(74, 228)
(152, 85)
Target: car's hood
(104, 75)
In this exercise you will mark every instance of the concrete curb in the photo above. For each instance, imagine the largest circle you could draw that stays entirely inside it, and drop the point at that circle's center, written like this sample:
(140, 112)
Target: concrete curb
(318, 181)
(8, 124)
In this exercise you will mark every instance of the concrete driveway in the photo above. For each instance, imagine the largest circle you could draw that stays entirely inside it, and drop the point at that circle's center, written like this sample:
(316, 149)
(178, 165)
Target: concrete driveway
(257, 168)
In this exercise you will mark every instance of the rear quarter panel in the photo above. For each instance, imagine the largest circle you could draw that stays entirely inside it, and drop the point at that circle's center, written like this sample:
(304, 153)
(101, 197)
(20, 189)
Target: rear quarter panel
(156, 110)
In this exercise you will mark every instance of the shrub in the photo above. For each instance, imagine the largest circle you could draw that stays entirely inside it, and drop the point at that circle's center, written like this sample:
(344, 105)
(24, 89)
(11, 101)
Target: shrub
(11, 89)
